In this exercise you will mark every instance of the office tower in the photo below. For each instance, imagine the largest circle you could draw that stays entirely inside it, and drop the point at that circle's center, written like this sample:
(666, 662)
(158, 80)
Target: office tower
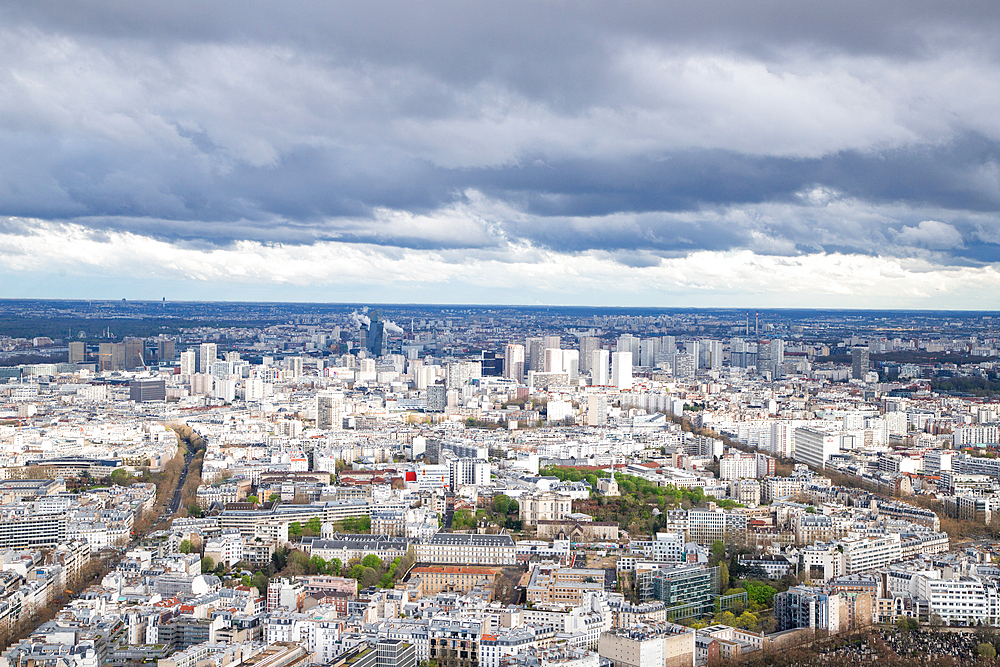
(535, 349)
(553, 360)
(104, 357)
(376, 333)
(587, 346)
(133, 353)
(207, 354)
(145, 391)
(571, 363)
(621, 370)
(711, 354)
(859, 362)
(649, 350)
(189, 365)
(329, 410)
(295, 366)
(599, 362)
(117, 356)
(166, 350)
(77, 352)
(552, 342)
(492, 364)
(513, 362)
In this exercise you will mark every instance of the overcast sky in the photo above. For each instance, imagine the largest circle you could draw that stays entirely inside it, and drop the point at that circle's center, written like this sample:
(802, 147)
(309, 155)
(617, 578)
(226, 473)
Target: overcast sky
(772, 153)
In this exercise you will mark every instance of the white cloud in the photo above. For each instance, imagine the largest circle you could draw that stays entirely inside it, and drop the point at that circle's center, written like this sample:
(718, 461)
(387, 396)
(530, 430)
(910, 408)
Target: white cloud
(931, 234)
(522, 274)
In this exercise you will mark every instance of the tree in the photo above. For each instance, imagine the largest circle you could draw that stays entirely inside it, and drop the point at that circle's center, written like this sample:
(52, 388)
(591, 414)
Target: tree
(463, 518)
(253, 499)
(318, 566)
(759, 593)
(369, 577)
(723, 576)
(278, 559)
(747, 621)
(726, 618)
(207, 564)
(194, 510)
(120, 477)
(335, 566)
(501, 504)
(295, 528)
(718, 550)
(260, 582)
(986, 651)
(314, 525)
(273, 497)
(372, 561)
(906, 624)
(186, 547)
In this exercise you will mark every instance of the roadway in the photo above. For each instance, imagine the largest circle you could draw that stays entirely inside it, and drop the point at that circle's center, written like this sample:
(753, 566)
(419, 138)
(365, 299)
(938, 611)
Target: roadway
(175, 503)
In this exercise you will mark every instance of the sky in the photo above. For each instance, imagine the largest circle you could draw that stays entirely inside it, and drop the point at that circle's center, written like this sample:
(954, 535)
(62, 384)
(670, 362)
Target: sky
(715, 153)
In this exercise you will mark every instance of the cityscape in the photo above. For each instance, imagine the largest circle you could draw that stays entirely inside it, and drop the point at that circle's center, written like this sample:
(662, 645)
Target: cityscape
(479, 334)
(347, 484)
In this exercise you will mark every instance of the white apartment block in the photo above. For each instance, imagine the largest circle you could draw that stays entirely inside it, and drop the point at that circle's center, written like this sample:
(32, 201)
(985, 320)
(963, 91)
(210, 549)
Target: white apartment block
(963, 599)
(737, 465)
(869, 553)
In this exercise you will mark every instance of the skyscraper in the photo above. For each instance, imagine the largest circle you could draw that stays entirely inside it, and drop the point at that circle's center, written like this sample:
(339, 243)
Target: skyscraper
(77, 352)
(133, 353)
(571, 363)
(738, 353)
(189, 362)
(777, 357)
(599, 362)
(597, 410)
(513, 362)
(166, 350)
(621, 370)
(629, 343)
(329, 410)
(711, 354)
(553, 360)
(376, 333)
(207, 354)
(535, 350)
(492, 364)
(859, 362)
(587, 346)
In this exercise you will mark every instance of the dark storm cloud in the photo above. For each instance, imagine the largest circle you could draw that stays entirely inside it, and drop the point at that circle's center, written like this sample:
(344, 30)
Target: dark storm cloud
(647, 130)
